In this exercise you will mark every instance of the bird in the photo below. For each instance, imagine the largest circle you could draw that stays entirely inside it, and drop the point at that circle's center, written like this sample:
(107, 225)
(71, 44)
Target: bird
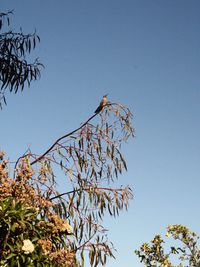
(102, 104)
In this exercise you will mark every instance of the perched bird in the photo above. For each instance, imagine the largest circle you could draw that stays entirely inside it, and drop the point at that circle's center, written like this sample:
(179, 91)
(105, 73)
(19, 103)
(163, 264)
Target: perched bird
(102, 104)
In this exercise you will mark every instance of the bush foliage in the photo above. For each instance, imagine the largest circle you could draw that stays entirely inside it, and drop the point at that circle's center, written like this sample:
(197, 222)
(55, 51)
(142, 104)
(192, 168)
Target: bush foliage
(186, 253)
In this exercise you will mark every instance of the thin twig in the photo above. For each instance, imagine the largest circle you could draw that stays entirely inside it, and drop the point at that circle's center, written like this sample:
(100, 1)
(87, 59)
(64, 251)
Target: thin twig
(88, 189)
(62, 137)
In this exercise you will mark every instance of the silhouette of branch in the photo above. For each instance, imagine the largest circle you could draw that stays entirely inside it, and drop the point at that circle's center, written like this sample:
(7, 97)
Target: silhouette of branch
(59, 139)
(62, 137)
(85, 243)
(88, 189)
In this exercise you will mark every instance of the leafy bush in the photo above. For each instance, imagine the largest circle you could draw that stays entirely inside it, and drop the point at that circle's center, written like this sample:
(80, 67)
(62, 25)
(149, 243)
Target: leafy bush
(187, 252)
(26, 240)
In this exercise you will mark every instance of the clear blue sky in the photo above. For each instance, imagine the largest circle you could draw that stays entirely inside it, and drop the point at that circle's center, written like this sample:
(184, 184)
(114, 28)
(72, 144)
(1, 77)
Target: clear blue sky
(146, 55)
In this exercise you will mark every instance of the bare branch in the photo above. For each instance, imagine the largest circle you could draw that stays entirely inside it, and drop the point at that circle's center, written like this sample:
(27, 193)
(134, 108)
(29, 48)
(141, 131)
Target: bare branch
(61, 138)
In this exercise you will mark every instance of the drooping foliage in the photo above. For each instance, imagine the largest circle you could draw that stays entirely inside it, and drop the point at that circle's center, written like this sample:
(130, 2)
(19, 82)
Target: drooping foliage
(87, 162)
(16, 71)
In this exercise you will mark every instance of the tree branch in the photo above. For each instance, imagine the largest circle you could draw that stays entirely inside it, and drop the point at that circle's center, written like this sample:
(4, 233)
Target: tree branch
(88, 189)
(62, 137)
